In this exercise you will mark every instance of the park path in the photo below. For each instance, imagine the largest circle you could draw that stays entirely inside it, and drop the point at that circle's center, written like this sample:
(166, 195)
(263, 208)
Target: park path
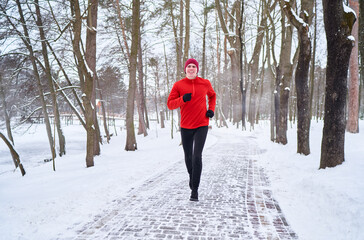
(236, 201)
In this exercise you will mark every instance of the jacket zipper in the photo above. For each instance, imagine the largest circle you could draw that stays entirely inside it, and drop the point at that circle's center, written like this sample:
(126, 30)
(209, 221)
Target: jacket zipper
(193, 87)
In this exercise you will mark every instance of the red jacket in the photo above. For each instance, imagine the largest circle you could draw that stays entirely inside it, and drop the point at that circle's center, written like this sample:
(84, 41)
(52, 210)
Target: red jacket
(193, 113)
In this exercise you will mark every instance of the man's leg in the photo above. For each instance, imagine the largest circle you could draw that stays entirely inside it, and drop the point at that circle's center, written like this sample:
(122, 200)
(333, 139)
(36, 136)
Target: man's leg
(199, 143)
(187, 143)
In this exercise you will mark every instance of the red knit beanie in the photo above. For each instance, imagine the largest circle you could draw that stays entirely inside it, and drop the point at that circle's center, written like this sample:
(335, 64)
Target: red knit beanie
(191, 60)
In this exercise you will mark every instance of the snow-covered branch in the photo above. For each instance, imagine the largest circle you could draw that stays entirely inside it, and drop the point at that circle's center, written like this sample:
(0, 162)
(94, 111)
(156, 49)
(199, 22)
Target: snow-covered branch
(297, 21)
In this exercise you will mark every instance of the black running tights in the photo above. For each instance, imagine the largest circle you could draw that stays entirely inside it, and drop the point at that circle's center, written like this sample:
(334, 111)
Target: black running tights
(193, 141)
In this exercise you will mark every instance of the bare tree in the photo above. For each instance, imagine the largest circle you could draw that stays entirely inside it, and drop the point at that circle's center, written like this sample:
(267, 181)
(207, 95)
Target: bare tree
(177, 24)
(273, 72)
(254, 62)
(301, 78)
(131, 144)
(87, 74)
(241, 67)
(284, 77)
(25, 37)
(338, 26)
(234, 54)
(57, 120)
(139, 91)
(219, 86)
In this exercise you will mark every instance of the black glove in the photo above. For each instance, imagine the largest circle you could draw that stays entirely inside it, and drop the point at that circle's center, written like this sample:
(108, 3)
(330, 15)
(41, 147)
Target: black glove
(187, 97)
(210, 113)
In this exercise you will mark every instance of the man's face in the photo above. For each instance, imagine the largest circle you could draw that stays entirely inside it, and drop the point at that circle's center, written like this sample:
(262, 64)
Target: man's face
(191, 71)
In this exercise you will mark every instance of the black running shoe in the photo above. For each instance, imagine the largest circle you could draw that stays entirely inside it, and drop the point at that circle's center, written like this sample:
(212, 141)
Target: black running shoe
(194, 196)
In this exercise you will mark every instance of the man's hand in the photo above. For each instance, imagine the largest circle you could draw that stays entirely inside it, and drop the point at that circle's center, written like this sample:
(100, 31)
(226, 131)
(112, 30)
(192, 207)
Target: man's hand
(187, 97)
(210, 113)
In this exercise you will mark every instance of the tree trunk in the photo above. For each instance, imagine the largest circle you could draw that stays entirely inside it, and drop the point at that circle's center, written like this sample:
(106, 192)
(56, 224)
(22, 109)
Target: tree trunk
(177, 38)
(187, 32)
(361, 48)
(6, 115)
(106, 129)
(254, 64)
(303, 93)
(14, 154)
(88, 85)
(145, 97)
(131, 144)
(261, 82)
(180, 71)
(292, 103)
(235, 85)
(234, 54)
(204, 29)
(219, 113)
(26, 39)
(338, 25)
(252, 99)
(168, 86)
(122, 26)
(156, 95)
(273, 77)
(7, 119)
(139, 89)
(301, 78)
(90, 57)
(162, 119)
(322, 98)
(352, 124)
(270, 76)
(142, 129)
(318, 94)
(272, 99)
(313, 59)
(61, 138)
(286, 71)
(276, 93)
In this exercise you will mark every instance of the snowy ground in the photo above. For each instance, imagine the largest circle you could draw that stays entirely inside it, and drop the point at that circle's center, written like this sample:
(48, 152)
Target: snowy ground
(319, 204)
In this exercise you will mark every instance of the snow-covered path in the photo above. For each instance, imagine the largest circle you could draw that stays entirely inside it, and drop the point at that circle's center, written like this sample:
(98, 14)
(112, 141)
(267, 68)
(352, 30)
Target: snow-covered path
(235, 201)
